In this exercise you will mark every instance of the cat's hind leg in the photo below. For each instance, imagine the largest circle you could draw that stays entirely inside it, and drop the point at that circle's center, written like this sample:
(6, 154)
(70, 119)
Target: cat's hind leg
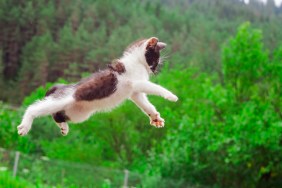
(64, 128)
(61, 120)
(47, 106)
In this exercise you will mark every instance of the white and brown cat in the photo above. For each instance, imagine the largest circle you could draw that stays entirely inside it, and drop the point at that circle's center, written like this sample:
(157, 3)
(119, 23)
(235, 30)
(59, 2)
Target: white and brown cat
(125, 78)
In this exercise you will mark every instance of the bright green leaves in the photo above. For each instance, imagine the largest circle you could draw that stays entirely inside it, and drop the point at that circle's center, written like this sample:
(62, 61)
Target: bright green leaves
(228, 135)
(244, 60)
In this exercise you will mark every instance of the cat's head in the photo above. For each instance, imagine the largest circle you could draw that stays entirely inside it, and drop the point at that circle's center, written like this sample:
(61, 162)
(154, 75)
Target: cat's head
(150, 50)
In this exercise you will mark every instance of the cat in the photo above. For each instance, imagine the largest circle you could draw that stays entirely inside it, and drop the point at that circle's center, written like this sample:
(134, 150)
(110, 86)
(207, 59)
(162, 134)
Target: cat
(125, 78)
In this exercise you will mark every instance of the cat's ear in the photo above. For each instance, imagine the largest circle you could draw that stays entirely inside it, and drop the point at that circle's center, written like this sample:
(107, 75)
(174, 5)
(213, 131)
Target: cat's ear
(152, 42)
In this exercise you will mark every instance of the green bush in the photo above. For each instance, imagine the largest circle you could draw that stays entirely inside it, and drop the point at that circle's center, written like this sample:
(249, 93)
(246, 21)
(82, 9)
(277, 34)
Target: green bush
(227, 136)
(7, 181)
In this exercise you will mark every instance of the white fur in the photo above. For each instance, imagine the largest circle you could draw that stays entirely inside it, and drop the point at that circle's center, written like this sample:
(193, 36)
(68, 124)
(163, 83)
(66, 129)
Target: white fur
(134, 84)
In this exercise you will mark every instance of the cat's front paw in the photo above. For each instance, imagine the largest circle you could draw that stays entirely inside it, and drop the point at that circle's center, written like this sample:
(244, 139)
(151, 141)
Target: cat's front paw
(156, 120)
(23, 129)
(171, 97)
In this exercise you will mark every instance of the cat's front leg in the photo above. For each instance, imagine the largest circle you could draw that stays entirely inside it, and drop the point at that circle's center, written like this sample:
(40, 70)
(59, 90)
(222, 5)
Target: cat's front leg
(156, 120)
(141, 100)
(154, 89)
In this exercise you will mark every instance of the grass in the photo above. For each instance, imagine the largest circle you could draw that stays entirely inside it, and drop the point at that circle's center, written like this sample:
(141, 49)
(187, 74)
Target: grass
(8, 181)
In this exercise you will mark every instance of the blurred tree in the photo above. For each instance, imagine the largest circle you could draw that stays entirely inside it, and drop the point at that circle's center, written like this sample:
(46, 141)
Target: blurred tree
(219, 132)
(35, 63)
(244, 60)
(92, 33)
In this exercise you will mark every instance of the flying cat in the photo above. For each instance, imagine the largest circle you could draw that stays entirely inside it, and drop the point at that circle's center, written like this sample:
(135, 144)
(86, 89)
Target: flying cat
(126, 78)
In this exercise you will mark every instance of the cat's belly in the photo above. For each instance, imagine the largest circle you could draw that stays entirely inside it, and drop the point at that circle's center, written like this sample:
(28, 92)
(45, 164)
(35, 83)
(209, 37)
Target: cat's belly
(78, 113)
(81, 110)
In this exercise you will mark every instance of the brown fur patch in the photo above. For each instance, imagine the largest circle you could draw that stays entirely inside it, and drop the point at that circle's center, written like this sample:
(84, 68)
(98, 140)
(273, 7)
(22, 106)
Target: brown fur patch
(57, 90)
(117, 67)
(51, 91)
(98, 86)
(152, 53)
(152, 57)
(60, 117)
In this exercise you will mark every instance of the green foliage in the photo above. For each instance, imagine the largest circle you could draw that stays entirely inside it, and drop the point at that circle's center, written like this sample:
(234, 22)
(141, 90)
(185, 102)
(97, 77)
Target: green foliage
(6, 180)
(42, 41)
(225, 130)
(221, 141)
(9, 119)
(244, 60)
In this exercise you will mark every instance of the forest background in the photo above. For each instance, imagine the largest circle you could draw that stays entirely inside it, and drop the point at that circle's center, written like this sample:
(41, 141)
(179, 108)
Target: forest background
(223, 60)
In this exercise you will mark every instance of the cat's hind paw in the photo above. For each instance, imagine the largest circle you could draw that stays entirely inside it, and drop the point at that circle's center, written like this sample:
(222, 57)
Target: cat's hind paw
(64, 128)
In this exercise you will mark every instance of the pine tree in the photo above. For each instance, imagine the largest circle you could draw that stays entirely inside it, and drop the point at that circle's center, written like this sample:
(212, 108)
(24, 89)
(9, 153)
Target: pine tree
(35, 63)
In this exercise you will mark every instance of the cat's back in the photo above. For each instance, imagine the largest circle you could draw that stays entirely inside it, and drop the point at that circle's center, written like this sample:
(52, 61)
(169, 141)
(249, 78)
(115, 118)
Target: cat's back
(60, 90)
(98, 86)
